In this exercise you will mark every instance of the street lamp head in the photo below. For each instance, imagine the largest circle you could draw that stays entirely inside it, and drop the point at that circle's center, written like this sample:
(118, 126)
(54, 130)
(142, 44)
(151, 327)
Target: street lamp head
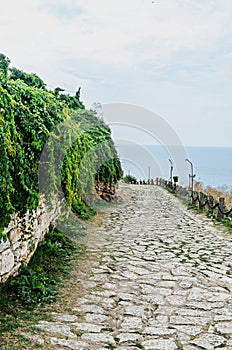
(187, 160)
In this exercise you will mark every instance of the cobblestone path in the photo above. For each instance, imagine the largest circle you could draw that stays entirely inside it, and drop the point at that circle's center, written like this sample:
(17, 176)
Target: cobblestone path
(158, 277)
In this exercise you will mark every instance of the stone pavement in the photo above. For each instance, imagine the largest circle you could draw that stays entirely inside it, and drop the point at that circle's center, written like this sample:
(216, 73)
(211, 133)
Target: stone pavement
(158, 277)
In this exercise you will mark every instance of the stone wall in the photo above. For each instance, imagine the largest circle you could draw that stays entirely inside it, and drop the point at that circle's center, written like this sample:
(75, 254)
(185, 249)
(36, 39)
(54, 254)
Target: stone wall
(24, 235)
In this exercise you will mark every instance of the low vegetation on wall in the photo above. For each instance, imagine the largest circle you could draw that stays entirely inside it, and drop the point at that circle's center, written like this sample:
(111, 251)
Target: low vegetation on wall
(29, 113)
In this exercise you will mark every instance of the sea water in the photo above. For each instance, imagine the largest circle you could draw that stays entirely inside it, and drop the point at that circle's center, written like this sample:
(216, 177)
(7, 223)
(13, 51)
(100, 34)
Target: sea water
(211, 165)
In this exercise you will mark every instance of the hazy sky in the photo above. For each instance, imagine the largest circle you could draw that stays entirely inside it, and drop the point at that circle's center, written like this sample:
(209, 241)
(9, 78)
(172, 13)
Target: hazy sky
(173, 57)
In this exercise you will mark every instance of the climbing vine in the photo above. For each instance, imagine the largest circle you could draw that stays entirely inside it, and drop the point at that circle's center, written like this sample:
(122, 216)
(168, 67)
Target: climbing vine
(29, 113)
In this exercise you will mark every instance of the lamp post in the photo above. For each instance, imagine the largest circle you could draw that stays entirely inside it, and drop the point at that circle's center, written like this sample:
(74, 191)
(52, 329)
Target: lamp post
(171, 170)
(191, 176)
(149, 172)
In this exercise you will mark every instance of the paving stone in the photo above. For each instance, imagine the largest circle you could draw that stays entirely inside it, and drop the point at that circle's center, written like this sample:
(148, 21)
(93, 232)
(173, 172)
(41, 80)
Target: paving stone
(99, 278)
(154, 299)
(151, 279)
(160, 331)
(165, 310)
(187, 283)
(190, 330)
(163, 291)
(192, 312)
(176, 300)
(209, 341)
(147, 284)
(134, 310)
(129, 275)
(104, 294)
(57, 328)
(183, 338)
(198, 294)
(224, 327)
(180, 271)
(131, 323)
(110, 286)
(225, 317)
(98, 338)
(89, 327)
(189, 320)
(204, 305)
(71, 344)
(126, 297)
(159, 344)
(95, 318)
(226, 279)
(162, 319)
(103, 302)
(128, 337)
(148, 289)
(168, 277)
(167, 284)
(91, 308)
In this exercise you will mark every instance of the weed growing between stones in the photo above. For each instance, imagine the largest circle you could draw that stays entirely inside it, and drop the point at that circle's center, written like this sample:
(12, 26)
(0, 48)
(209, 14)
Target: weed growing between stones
(227, 224)
(24, 298)
(138, 345)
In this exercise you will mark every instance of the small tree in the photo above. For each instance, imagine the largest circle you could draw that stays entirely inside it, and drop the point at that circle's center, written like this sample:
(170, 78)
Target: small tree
(4, 64)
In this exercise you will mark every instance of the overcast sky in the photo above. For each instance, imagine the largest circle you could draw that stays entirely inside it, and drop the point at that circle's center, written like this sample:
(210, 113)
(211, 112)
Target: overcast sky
(173, 57)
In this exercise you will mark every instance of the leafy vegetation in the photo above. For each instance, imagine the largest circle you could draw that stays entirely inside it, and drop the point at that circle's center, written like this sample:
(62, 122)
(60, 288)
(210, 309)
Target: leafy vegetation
(37, 282)
(29, 114)
(129, 179)
(36, 285)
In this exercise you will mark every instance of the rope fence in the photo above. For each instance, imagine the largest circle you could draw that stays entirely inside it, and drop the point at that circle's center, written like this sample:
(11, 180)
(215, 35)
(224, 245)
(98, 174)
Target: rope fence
(205, 202)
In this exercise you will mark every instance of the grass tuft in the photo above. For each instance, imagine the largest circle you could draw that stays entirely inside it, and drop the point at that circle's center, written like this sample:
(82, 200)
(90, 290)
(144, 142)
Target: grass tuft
(24, 298)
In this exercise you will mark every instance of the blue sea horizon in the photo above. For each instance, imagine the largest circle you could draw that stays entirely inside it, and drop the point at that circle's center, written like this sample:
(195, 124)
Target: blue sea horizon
(211, 165)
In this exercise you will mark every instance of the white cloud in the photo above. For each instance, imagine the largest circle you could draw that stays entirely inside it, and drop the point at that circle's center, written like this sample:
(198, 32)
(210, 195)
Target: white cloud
(117, 32)
(112, 48)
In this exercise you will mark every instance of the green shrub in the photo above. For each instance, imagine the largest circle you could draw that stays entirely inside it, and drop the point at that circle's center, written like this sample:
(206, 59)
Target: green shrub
(130, 179)
(29, 114)
(37, 282)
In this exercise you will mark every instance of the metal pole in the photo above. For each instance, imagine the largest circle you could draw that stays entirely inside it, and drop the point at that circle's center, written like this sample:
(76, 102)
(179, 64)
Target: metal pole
(191, 176)
(171, 169)
(149, 172)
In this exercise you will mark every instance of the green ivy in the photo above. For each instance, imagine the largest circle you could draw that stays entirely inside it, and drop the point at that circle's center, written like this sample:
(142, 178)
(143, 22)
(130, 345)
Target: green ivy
(29, 114)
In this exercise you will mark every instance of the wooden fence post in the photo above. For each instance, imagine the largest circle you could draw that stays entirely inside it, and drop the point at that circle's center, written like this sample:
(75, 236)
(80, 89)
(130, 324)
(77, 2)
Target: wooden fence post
(210, 205)
(221, 203)
(194, 197)
(201, 201)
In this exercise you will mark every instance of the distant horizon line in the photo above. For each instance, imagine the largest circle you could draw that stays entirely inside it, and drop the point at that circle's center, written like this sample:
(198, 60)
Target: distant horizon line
(160, 145)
